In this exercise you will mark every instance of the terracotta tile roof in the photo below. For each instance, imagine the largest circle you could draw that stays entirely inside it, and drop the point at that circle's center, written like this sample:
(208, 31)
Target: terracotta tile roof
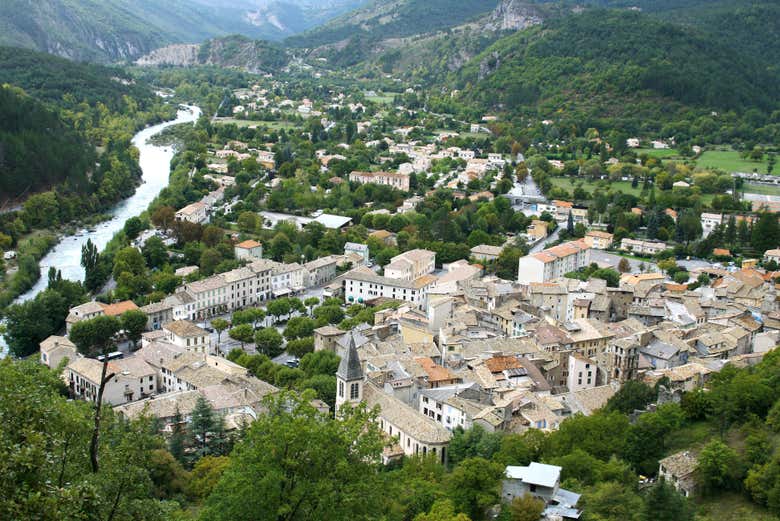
(248, 244)
(498, 364)
(113, 310)
(436, 373)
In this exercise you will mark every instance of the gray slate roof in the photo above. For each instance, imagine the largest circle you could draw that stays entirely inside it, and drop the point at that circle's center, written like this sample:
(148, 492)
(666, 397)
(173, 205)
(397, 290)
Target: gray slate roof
(349, 367)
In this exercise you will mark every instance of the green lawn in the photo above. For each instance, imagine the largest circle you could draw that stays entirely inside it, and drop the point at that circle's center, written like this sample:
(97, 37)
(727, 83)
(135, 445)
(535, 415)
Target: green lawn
(730, 506)
(260, 124)
(730, 161)
(762, 189)
(568, 184)
(384, 98)
(658, 153)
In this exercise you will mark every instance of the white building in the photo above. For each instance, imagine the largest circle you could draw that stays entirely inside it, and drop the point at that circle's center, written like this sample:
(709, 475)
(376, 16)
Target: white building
(357, 249)
(133, 379)
(709, 221)
(186, 334)
(56, 348)
(248, 250)
(554, 262)
(194, 213)
(642, 247)
(362, 285)
(411, 265)
(582, 373)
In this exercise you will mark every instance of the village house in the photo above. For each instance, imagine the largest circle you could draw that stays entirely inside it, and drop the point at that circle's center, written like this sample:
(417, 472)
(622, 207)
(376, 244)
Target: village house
(131, 379)
(248, 250)
(186, 334)
(599, 240)
(679, 470)
(55, 349)
(411, 265)
(193, 213)
(362, 285)
(553, 262)
(541, 481)
(486, 252)
(393, 179)
(642, 247)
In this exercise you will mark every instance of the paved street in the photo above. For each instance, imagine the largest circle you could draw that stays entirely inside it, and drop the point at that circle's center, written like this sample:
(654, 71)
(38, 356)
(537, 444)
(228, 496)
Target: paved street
(600, 256)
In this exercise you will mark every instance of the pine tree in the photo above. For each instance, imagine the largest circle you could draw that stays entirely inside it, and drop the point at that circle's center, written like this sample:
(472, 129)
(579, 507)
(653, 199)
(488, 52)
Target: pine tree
(765, 233)
(570, 225)
(176, 441)
(731, 231)
(202, 425)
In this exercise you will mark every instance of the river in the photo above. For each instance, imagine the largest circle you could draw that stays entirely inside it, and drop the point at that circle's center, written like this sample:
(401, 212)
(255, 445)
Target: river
(155, 162)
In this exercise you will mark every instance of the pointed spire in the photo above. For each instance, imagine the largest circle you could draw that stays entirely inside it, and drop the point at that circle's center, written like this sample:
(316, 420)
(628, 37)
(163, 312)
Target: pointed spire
(349, 367)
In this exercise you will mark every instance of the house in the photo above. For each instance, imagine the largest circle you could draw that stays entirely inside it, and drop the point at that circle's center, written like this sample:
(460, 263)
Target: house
(554, 262)
(133, 379)
(599, 240)
(55, 349)
(84, 311)
(194, 213)
(486, 253)
(358, 249)
(709, 221)
(541, 481)
(772, 255)
(537, 230)
(385, 237)
(333, 222)
(323, 270)
(680, 184)
(721, 252)
(411, 265)
(363, 285)
(186, 334)
(326, 338)
(679, 470)
(393, 179)
(642, 247)
(248, 250)
(288, 278)
(582, 373)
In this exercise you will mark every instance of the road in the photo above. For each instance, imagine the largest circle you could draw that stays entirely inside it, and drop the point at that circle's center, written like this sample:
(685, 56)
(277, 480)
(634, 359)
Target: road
(604, 257)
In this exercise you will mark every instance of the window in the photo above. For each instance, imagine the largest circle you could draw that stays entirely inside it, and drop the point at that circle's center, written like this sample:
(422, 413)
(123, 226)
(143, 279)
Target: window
(354, 391)
(341, 389)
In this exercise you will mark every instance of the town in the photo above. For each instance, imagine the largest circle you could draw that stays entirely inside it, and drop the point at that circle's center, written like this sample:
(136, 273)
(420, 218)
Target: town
(543, 314)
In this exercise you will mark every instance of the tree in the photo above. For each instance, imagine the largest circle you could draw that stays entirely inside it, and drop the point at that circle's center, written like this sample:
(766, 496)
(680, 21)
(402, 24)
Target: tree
(219, 325)
(766, 232)
(473, 486)
(310, 302)
(570, 225)
(320, 362)
(328, 314)
(632, 395)
(295, 463)
(624, 266)
(133, 324)
(205, 429)
(444, 510)
(209, 260)
(718, 468)
(205, 475)
(90, 261)
(155, 252)
(96, 337)
(176, 441)
(247, 221)
(299, 327)
(268, 341)
(163, 217)
(278, 308)
(300, 346)
(242, 333)
(612, 501)
(133, 227)
(664, 503)
(526, 508)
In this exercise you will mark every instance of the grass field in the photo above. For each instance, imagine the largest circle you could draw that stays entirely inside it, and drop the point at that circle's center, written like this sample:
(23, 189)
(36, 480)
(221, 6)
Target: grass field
(730, 506)
(385, 98)
(762, 189)
(730, 161)
(260, 124)
(658, 153)
(568, 184)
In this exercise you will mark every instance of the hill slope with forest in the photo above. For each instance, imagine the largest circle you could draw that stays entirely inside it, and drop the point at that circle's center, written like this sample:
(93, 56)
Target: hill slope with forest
(616, 64)
(119, 30)
(37, 149)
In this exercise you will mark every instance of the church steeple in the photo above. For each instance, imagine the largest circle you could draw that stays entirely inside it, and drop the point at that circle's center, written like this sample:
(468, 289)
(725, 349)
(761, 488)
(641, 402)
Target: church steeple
(349, 376)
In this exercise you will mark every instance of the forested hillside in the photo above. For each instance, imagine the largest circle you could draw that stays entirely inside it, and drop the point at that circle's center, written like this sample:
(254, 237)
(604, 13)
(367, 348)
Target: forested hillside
(118, 30)
(37, 149)
(357, 32)
(617, 65)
